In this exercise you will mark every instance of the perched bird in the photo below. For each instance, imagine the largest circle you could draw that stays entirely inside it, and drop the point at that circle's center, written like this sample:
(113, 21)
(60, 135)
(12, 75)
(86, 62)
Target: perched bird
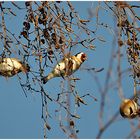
(128, 109)
(11, 66)
(66, 66)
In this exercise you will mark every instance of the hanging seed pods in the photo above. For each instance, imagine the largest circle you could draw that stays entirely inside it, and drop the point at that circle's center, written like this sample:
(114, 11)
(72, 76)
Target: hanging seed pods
(136, 68)
(60, 41)
(26, 25)
(27, 3)
(41, 9)
(25, 35)
(40, 21)
(46, 33)
(42, 41)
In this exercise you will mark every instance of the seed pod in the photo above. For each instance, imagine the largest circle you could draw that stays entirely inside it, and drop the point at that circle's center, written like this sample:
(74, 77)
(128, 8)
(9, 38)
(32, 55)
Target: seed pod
(57, 46)
(71, 123)
(47, 126)
(58, 1)
(60, 41)
(42, 41)
(49, 28)
(75, 116)
(40, 21)
(31, 18)
(27, 25)
(27, 3)
(45, 3)
(136, 67)
(120, 43)
(129, 42)
(53, 35)
(79, 99)
(137, 46)
(50, 52)
(46, 34)
(41, 9)
(24, 33)
(36, 21)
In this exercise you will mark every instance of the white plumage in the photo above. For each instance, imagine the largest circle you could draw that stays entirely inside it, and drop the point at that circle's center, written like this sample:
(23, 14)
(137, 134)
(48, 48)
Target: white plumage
(11, 66)
(66, 66)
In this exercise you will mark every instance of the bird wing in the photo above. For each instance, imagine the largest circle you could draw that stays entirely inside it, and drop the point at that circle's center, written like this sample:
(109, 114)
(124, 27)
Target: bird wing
(59, 68)
(13, 62)
(67, 66)
(22, 66)
(76, 63)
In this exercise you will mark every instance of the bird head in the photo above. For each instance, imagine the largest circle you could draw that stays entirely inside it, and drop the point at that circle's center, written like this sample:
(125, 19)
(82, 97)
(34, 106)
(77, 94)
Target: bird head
(128, 108)
(82, 56)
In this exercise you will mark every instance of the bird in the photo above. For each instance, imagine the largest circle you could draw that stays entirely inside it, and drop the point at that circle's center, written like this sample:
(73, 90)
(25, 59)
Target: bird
(128, 109)
(66, 66)
(12, 66)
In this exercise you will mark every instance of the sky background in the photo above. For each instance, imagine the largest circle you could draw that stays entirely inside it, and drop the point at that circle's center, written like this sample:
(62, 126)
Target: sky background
(20, 117)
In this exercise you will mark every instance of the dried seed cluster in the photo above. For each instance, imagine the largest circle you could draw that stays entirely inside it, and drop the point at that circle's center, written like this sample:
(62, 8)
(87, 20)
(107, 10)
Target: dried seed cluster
(129, 32)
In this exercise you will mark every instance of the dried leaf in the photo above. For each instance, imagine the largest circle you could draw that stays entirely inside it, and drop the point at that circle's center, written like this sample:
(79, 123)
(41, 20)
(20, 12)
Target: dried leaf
(101, 39)
(74, 79)
(92, 47)
(72, 123)
(120, 43)
(40, 58)
(75, 116)
(80, 100)
(47, 126)
(84, 21)
(25, 35)
(69, 29)
(36, 21)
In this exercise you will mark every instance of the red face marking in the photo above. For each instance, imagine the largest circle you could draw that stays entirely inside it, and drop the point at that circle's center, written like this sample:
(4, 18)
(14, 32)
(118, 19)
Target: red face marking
(83, 57)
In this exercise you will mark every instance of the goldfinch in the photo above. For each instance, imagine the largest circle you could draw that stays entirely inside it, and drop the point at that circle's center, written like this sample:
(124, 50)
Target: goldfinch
(66, 66)
(128, 109)
(11, 66)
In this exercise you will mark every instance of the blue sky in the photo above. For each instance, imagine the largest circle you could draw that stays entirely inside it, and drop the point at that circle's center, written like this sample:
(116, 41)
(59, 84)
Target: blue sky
(21, 117)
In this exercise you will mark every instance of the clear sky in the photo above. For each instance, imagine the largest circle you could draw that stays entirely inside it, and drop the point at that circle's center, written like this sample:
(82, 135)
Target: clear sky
(20, 117)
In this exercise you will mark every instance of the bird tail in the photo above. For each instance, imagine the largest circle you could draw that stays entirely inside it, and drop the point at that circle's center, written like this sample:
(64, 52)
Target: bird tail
(46, 78)
(25, 68)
